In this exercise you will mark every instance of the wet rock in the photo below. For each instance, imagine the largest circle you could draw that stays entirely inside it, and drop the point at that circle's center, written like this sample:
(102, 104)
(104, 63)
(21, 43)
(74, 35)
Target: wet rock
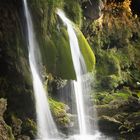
(120, 116)
(93, 9)
(119, 105)
(108, 124)
(107, 110)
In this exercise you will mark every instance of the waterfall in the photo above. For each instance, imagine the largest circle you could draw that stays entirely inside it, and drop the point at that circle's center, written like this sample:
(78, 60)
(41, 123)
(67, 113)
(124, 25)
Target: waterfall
(80, 85)
(45, 123)
(77, 61)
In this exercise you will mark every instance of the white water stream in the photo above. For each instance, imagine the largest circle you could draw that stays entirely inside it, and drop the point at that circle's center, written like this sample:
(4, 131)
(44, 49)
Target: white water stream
(45, 123)
(77, 61)
(81, 88)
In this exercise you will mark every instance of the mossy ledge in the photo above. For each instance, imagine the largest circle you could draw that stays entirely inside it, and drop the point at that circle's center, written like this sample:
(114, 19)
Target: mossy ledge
(54, 43)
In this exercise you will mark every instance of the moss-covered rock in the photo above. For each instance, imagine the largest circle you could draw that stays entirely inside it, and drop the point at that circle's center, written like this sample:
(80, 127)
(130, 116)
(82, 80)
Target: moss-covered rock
(29, 127)
(58, 56)
(59, 111)
(124, 123)
(108, 124)
(74, 11)
(16, 125)
(5, 130)
(121, 113)
(54, 43)
(86, 51)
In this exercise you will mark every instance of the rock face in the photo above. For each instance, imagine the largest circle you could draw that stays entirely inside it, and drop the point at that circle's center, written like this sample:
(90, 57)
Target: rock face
(5, 130)
(120, 116)
(93, 9)
(15, 78)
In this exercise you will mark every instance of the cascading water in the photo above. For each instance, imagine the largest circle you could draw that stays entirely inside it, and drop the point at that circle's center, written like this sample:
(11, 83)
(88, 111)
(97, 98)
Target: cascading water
(80, 87)
(77, 60)
(46, 126)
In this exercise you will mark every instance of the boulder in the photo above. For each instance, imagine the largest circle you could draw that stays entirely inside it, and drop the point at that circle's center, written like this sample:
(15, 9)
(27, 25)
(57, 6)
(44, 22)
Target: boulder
(108, 124)
(93, 9)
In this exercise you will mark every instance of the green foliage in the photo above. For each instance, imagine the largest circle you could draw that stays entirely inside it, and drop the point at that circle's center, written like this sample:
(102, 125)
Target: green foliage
(121, 95)
(102, 98)
(105, 97)
(115, 40)
(107, 64)
(110, 82)
(108, 71)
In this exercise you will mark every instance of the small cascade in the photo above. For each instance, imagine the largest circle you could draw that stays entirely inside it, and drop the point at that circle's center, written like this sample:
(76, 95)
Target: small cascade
(45, 123)
(80, 85)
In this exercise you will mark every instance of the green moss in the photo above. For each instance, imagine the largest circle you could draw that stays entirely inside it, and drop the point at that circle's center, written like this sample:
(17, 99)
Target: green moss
(53, 38)
(86, 51)
(73, 10)
(59, 111)
(57, 55)
(121, 95)
(64, 63)
(57, 108)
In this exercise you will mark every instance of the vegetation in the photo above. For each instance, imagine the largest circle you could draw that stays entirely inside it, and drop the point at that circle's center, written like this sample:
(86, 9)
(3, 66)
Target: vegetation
(115, 40)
